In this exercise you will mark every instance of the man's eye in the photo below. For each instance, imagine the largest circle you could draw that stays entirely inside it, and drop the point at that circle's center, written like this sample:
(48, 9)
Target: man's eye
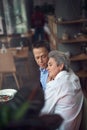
(37, 57)
(43, 56)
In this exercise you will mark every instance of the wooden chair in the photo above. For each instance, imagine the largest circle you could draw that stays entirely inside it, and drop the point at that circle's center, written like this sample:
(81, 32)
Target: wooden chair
(22, 55)
(7, 66)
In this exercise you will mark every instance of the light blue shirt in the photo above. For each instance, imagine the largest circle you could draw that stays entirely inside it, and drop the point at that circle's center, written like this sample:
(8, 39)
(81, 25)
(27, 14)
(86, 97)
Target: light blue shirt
(43, 77)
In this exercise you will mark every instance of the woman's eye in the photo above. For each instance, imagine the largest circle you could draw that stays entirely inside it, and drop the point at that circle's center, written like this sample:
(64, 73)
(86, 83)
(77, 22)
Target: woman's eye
(50, 65)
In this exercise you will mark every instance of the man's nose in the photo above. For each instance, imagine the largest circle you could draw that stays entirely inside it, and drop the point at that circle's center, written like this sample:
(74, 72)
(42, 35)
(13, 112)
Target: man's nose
(40, 59)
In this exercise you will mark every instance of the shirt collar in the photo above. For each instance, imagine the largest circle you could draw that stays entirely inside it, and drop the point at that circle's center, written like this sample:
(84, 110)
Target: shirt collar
(43, 70)
(60, 74)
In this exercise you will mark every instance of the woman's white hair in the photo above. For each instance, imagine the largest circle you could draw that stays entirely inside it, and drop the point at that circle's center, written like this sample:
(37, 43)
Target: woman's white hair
(61, 58)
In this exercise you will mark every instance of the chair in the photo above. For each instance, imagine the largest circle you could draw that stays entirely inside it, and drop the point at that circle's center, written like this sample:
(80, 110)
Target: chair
(83, 125)
(22, 55)
(7, 66)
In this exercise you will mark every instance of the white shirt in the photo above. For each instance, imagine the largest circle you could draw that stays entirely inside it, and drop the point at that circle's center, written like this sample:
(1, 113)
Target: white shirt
(64, 96)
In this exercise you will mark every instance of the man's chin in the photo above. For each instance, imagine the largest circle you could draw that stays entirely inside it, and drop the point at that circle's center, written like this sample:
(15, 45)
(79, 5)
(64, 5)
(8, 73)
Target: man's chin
(43, 67)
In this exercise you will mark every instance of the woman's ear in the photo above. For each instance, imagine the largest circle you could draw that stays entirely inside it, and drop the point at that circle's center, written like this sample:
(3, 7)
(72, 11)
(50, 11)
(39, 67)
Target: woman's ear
(61, 66)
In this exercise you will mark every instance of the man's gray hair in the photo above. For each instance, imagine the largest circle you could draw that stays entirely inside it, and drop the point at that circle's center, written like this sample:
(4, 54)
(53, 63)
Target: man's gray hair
(60, 57)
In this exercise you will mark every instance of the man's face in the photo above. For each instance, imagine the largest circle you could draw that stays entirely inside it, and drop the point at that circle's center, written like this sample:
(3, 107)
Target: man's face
(41, 56)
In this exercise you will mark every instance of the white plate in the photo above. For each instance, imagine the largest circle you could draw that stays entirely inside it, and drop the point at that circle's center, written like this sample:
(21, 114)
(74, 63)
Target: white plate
(7, 94)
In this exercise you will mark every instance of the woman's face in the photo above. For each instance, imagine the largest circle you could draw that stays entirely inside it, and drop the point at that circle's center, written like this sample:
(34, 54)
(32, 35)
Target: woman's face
(53, 68)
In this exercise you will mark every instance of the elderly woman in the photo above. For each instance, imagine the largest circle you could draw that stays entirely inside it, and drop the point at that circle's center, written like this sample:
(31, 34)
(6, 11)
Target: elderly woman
(63, 94)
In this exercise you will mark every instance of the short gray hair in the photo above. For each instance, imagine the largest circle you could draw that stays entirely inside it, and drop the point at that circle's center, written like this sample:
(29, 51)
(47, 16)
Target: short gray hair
(60, 57)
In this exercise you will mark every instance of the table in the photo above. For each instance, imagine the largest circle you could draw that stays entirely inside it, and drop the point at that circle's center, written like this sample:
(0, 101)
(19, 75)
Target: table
(19, 52)
(7, 38)
(7, 66)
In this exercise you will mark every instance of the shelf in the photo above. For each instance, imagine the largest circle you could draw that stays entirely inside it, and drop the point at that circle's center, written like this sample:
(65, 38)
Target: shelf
(74, 40)
(72, 21)
(82, 73)
(79, 39)
(79, 57)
